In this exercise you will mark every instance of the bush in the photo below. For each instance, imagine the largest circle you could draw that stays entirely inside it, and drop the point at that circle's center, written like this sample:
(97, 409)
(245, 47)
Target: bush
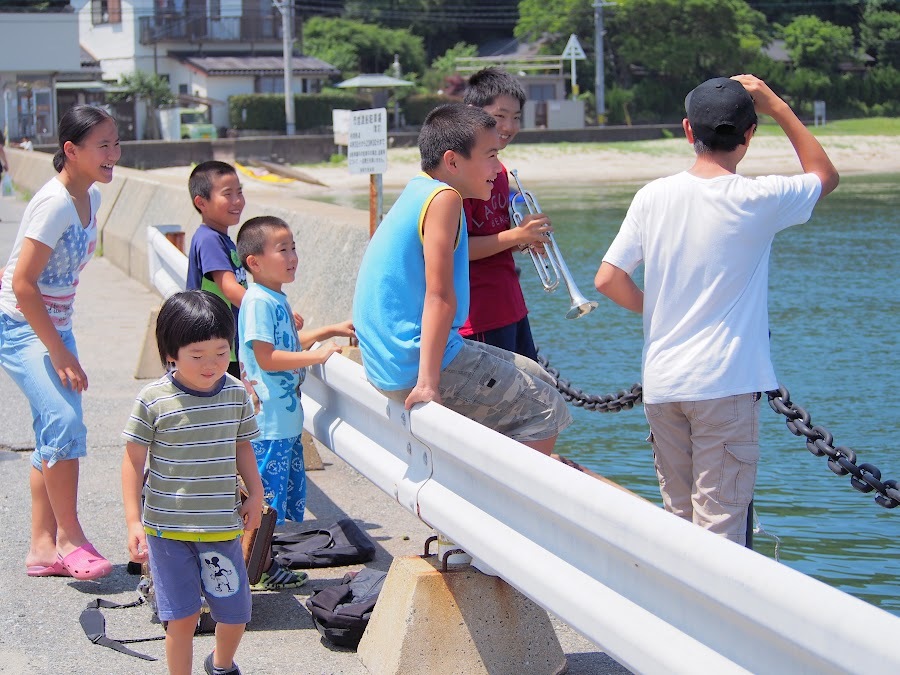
(311, 111)
(618, 105)
(416, 107)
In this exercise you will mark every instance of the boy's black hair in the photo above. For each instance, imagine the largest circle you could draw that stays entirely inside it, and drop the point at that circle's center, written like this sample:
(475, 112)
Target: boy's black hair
(451, 126)
(717, 145)
(200, 183)
(253, 235)
(189, 317)
(487, 84)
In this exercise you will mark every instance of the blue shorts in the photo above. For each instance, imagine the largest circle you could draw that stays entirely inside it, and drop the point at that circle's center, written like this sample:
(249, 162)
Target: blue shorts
(182, 570)
(57, 418)
(283, 476)
(516, 337)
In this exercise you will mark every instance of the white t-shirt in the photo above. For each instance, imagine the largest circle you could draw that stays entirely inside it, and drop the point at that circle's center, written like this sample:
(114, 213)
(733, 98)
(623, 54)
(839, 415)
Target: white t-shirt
(705, 246)
(51, 218)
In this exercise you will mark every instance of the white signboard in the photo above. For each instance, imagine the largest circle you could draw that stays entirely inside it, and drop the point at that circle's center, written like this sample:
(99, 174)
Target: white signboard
(367, 150)
(340, 122)
(573, 52)
(573, 49)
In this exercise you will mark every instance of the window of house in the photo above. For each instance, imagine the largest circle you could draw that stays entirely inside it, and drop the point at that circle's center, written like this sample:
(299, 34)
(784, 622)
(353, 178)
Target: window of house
(106, 11)
(267, 84)
(541, 92)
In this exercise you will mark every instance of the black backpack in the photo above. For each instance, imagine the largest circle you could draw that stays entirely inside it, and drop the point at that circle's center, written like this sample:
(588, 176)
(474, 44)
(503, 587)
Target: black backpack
(341, 613)
(340, 544)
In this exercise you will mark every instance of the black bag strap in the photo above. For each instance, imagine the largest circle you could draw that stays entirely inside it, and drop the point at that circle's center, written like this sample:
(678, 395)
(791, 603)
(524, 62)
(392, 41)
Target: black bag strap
(94, 625)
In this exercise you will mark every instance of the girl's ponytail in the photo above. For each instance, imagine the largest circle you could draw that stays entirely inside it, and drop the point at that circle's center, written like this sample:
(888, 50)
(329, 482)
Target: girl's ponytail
(59, 160)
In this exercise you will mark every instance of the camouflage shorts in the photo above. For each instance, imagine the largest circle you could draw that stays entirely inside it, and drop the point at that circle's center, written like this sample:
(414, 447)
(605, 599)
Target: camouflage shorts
(504, 391)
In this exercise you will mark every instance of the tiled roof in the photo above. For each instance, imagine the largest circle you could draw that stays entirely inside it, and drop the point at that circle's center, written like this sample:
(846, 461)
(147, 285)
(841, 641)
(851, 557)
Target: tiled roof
(256, 64)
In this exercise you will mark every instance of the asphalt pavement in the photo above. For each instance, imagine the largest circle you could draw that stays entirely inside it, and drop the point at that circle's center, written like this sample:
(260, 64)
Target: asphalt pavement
(39, 628)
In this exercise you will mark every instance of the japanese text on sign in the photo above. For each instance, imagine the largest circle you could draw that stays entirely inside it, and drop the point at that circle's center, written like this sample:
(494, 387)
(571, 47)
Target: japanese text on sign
(367, 150)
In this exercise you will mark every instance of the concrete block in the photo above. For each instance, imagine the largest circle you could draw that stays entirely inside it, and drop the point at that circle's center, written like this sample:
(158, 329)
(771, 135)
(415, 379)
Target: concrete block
(148, 365)
(30, 170)
(134, 199)
(460, 622)
(311, 459)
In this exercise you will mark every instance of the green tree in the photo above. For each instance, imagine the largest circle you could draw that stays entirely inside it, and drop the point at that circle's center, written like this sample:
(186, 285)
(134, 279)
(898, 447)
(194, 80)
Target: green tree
(806, 85)
(356, 47)
(879, 36)
(150, 89)
(444, 66)
(665, 47)
(687, 40)
(818, 45)
(440, 23)
(555, 20)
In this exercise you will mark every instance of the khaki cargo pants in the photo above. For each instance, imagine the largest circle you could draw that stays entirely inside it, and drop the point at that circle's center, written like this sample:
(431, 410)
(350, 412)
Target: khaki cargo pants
(706, 454)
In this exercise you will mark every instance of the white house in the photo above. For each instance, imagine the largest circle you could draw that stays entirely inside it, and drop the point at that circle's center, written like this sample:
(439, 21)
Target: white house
(207, 49)
(36, 48)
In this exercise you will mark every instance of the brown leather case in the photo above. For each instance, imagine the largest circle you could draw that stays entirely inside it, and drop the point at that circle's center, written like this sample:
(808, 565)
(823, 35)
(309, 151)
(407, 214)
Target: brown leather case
(257, 544)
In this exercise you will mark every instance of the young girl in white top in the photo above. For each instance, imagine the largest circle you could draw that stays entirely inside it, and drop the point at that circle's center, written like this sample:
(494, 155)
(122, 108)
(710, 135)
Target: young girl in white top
(56, 239)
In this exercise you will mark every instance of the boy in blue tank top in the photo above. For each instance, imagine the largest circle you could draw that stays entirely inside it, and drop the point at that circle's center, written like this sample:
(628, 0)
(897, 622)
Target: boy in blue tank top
(412, 294)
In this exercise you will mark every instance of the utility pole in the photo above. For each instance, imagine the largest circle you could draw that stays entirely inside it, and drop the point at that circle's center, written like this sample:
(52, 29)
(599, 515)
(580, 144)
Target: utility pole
(286, 8)
(599, 75)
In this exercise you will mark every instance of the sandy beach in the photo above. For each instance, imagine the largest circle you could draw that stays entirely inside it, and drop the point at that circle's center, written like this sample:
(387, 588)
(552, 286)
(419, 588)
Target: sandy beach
(591, 163)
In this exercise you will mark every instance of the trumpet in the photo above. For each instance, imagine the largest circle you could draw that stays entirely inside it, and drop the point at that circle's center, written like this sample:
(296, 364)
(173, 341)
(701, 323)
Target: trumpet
(550, 267)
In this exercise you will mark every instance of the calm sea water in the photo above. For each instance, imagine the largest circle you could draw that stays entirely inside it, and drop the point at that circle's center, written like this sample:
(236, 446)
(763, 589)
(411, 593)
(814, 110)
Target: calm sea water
(834, 315)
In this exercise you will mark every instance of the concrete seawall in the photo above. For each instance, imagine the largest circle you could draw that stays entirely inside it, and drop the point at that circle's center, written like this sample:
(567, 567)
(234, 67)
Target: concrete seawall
(314, 148)
(330, 239)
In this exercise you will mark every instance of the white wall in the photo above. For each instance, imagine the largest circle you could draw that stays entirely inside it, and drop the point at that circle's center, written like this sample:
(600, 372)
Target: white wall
(220, 88)
(116, 45)
(39, 42)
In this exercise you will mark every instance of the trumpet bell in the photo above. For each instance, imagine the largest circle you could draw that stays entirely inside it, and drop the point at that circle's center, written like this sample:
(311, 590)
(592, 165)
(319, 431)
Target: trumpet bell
(580, 307)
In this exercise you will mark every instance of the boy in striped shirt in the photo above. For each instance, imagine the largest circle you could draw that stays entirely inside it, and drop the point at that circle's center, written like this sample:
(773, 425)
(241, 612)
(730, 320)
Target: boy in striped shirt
(194, 425)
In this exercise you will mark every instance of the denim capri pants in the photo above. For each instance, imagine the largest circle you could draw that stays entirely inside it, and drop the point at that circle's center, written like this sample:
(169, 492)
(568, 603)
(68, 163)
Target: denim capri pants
(57, 418)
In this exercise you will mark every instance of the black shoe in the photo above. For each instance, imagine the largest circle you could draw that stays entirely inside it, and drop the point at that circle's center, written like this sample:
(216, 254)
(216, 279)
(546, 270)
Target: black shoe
(211, 670)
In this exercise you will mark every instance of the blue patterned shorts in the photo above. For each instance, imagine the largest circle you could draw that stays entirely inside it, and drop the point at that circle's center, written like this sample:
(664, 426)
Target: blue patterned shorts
(283, 476)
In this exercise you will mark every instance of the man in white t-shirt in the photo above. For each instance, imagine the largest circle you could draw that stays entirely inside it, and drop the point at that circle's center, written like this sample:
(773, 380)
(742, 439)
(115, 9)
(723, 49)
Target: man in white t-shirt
(704, 237)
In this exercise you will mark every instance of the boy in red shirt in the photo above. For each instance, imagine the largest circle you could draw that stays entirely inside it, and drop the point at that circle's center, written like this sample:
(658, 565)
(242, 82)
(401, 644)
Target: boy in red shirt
(497, 312)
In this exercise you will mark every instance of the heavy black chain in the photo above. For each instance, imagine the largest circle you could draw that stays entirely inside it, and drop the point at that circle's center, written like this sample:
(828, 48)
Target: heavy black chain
(864, 477)
(621, 400)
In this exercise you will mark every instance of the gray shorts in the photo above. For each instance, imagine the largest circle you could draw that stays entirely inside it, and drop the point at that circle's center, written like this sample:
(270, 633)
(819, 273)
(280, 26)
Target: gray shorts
(506, 392)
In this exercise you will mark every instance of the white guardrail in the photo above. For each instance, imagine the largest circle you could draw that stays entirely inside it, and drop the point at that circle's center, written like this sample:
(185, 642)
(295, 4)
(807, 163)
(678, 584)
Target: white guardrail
(167, 265)
(656, 592)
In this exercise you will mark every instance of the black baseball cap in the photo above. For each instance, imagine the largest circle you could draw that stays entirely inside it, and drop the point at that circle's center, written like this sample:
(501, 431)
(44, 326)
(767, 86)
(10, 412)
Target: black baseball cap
(720, 109)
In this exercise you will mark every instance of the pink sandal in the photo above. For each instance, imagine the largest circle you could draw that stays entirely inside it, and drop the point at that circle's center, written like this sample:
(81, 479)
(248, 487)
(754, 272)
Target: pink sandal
(54, 570)
(85, 563)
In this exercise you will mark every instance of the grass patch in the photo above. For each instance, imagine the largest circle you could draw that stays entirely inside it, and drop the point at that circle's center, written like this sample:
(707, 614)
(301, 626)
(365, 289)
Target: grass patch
(866, 126)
